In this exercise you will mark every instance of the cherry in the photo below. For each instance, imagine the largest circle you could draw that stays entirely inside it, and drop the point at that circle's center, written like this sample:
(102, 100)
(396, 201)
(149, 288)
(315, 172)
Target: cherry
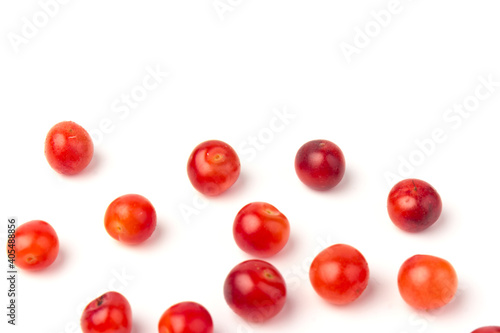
(320, 164)
(109, 313)
(413, 205)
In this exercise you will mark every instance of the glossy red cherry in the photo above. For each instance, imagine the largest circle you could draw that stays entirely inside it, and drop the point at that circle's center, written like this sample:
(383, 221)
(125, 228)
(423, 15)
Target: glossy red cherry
(130, 219)
(320, 164)
(427, 282)
(339, 274)
(186, 317)
(109, 313)
(414, 205)
(255, 290)
(68, 148)
(260, 229)
(213, 167)
(36, 245)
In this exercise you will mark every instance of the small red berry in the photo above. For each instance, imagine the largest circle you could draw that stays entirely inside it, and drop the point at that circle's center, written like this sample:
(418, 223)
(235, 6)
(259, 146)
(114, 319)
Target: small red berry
(414, 205)
(68, 148)
(320, 164)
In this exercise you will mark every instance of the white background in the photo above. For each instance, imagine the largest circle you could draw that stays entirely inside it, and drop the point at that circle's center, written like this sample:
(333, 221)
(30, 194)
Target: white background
(229, 73)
